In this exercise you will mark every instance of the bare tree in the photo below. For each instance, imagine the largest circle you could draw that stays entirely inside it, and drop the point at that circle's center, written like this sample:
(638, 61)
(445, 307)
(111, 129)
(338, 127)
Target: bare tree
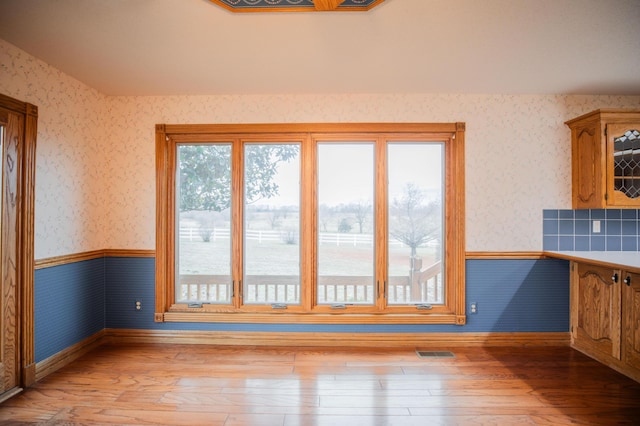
(274, 218)
(324, 216)
(361, 210)
(413, 221)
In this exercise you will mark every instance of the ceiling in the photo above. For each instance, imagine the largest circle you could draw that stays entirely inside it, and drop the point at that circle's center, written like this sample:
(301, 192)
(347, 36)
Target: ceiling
(189, 47)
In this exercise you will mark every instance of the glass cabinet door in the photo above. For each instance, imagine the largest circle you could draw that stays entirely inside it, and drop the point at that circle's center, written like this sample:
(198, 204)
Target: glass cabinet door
(624, 159)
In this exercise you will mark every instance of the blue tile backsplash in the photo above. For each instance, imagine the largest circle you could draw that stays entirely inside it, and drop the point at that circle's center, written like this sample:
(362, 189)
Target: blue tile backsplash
(576, 230)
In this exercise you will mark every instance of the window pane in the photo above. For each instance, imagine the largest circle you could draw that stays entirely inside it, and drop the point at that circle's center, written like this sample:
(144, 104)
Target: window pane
(203, 243)
(272, 223)
(345, 223)
(416, 232)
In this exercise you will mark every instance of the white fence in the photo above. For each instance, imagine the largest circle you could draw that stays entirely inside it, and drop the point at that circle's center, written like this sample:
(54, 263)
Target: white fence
(338, 239)
(196, 234)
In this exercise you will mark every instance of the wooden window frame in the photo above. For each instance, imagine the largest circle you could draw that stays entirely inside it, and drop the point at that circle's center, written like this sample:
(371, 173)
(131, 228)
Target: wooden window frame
(451, 134)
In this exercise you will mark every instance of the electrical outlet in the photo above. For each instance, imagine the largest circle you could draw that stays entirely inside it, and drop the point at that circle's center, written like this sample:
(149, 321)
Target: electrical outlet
(474, 308)
(138, 305)
(596, 227)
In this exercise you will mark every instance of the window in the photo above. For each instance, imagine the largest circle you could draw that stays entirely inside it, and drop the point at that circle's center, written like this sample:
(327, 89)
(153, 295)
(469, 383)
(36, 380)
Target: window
(346, 224)
(271, 224)
(313, 223)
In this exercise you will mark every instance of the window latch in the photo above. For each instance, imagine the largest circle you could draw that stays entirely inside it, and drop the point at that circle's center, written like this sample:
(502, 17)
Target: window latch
(278, 306)
(194, 305)
(338, 306)
(424, 306)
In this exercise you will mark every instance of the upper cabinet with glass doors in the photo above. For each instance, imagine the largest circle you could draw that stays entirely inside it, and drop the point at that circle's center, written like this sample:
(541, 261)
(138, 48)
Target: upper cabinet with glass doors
(605, 151)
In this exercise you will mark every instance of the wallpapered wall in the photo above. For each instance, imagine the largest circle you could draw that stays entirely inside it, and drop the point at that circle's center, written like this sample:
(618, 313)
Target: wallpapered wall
(95, 184)
(71, 169)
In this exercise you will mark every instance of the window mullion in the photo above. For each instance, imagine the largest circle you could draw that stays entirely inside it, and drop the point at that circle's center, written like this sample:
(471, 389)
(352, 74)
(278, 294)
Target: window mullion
(237, 193)
(309, 230)
(381, 224)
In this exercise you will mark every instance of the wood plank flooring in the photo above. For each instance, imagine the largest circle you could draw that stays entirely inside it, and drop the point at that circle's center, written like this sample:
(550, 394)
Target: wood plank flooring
(213, 385)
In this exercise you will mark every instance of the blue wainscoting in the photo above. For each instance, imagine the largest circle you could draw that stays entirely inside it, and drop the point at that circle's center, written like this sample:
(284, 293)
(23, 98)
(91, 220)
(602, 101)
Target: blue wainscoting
(69, 304)
(518, 295)
(512, 295)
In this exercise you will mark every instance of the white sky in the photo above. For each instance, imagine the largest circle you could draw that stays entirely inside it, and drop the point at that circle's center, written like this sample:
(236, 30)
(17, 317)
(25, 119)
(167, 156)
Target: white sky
(346, 175)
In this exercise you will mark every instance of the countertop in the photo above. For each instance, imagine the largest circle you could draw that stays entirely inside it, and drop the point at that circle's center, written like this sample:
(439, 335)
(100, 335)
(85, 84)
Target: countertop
(629, 260)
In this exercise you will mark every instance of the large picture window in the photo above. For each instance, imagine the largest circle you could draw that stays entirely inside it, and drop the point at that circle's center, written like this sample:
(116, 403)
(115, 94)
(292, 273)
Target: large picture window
(313, 223)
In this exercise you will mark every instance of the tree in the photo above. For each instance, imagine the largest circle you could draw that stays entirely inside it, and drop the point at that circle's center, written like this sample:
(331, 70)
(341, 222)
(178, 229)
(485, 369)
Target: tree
(205, 174)
(344, 227)
(412, 220)
(273, 217)
(324, 215)
(361, 210)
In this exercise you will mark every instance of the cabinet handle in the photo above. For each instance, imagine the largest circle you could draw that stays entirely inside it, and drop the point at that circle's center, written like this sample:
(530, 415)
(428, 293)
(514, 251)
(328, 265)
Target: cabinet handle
(627, 280)
(614, 278)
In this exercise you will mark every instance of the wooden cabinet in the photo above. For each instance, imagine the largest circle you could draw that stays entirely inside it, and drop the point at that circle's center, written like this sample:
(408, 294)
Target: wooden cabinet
(595, 309)
(605, 316)
(631, 320)
(605, 159)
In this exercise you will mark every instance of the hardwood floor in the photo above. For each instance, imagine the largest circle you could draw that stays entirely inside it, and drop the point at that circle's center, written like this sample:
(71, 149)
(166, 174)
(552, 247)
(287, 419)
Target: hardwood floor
(212, 385)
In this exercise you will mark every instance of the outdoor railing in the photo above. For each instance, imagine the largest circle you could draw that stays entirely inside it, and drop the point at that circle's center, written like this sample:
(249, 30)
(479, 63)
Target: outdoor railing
(424, 286)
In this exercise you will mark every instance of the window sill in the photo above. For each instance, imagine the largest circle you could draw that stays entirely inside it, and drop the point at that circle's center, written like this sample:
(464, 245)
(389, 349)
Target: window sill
(306, 318)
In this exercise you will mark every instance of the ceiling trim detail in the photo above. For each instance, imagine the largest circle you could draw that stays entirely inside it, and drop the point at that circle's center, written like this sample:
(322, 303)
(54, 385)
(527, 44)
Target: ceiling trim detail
(298, 5)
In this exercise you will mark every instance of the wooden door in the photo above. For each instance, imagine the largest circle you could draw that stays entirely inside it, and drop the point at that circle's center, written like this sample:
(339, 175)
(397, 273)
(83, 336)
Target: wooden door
(595, 309)
(12, 125)
(631, 319)
(18, 122)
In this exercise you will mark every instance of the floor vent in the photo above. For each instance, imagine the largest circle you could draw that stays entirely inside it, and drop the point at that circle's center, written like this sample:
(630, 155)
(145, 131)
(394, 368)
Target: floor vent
(435, 354)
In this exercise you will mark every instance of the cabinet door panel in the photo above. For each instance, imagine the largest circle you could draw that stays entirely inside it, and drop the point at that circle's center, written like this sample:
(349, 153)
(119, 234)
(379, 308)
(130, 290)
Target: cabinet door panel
(631, 325)
(587, 173)
(596, 316)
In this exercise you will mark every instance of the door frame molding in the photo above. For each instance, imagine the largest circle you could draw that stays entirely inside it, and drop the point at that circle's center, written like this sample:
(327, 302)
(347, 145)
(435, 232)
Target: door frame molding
(25, 237)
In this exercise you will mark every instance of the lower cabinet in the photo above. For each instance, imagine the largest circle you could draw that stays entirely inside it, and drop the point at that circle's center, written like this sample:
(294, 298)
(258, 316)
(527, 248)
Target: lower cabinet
(631, 321)
(605, 316)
